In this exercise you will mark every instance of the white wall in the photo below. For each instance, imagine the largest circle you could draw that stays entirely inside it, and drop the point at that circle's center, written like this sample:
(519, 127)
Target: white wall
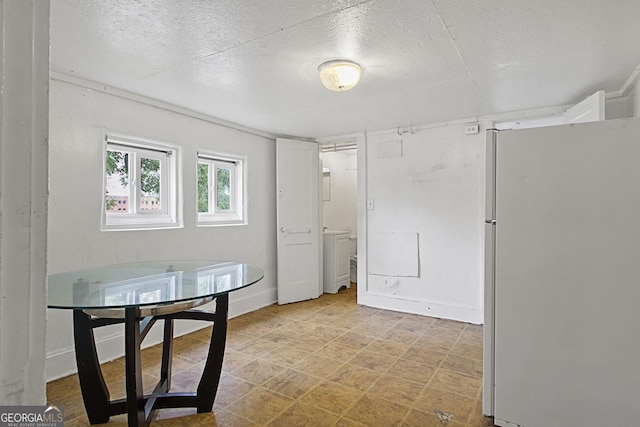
(340, 212)
(635, 100)
(435, 189)
(79, 118)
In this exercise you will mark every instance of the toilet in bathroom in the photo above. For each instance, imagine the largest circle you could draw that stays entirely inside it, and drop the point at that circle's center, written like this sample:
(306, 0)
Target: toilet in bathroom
(354, 269)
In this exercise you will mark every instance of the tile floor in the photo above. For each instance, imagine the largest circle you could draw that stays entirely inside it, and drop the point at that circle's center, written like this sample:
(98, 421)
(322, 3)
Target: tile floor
(324, 362)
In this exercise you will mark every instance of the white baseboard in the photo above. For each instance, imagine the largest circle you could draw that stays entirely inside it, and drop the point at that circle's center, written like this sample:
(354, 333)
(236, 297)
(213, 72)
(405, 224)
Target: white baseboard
(461, 313)
(62, 363)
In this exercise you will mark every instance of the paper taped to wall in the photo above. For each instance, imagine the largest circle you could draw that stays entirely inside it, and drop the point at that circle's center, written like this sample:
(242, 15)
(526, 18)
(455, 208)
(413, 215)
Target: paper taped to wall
(394, 254)
(388, 149)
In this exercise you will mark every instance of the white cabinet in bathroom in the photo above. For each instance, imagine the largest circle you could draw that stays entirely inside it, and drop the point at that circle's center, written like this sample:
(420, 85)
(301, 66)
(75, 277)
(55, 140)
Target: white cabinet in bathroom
(336, 250)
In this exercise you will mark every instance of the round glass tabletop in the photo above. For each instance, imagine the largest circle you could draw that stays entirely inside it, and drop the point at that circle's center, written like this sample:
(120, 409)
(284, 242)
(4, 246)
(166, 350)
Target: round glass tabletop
(152, 283)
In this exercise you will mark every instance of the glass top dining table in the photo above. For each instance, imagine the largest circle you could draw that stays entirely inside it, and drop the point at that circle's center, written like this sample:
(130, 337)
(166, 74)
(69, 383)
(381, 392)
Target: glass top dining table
(148, 284)
(137, 295)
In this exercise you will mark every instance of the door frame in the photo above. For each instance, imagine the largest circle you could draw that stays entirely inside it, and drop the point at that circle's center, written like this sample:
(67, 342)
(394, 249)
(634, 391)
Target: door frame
(361, 216)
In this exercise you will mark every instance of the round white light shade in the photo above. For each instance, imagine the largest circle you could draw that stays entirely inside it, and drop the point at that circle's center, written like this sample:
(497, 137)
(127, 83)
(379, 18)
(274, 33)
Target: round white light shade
(339, 75)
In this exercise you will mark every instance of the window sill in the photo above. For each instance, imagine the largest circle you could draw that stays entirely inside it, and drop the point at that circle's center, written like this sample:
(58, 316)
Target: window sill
(140, 225)
(221, 223)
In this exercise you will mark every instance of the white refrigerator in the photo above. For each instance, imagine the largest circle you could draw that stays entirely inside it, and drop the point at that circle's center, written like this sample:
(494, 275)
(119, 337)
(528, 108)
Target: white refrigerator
(562, 276)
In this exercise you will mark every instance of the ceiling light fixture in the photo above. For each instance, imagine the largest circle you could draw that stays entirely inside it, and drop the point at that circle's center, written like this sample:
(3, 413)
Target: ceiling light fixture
(339, 75)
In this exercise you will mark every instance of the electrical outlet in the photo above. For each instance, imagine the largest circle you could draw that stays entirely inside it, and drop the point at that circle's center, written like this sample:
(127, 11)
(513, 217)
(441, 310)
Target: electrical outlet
(370, 204)
(471, 129)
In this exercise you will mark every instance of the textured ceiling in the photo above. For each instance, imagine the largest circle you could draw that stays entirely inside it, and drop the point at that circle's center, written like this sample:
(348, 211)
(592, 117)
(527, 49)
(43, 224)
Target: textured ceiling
(254, 62)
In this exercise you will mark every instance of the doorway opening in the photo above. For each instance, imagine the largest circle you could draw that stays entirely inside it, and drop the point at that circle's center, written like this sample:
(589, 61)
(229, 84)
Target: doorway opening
(339, 215)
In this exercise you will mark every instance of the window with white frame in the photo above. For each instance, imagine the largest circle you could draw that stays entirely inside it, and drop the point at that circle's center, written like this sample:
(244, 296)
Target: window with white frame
(140, 185)
(220, 189)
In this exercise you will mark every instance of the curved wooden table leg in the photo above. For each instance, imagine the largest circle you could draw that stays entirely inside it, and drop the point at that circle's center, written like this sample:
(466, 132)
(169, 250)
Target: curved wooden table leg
(208, 386)
(94, 390)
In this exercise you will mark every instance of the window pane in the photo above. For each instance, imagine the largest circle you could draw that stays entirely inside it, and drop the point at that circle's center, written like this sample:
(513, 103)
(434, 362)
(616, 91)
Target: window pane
(223, 189)
(117, 182)
(150, 184)
(203, 187)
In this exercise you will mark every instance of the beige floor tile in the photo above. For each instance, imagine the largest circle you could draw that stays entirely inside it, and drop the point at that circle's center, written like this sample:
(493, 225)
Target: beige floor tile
(301, 415)
(374, 411)
(182, 343)
(354, 376)
(371, 328)
(430, 341)
(331, 397)
(354, 340)
(317, 365)
(450, 324)
(346, 422)
(292, 383)
(178, 365)
(237, 339)
(396, 389)
(467, 350)
(389, 316)
(373, 360)
(229, 419)
(76, 422)
(257, 347)
(253, 329)
(196, 353)
(230, 389)
(259, 371)
(236, 360)
(280, 336)
(327, 332)
(298, 327)
(463, 365)
(413, 371)
(424, 356)
(341, 323)
(418, 418)
(285, 356)
(308, 343)
(415, 324)
(261, 405)
(337, 351)
(183, 417)
(203, 334)
(272, 321)
(387, 347)
(444, 331)
(471, 336)
(401, 336)
(457, 383)
(186, 381)
(435, 400)
(73, 405)
(64, 387)
(318, 318)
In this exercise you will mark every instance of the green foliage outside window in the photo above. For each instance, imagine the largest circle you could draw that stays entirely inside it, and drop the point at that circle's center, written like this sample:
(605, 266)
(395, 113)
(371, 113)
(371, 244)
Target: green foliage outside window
(223, 199)
(203, 187)
(117, 163)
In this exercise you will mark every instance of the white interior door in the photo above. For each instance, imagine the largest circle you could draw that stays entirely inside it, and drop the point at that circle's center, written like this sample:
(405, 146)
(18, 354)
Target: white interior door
(297, 180)
(590, 109)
